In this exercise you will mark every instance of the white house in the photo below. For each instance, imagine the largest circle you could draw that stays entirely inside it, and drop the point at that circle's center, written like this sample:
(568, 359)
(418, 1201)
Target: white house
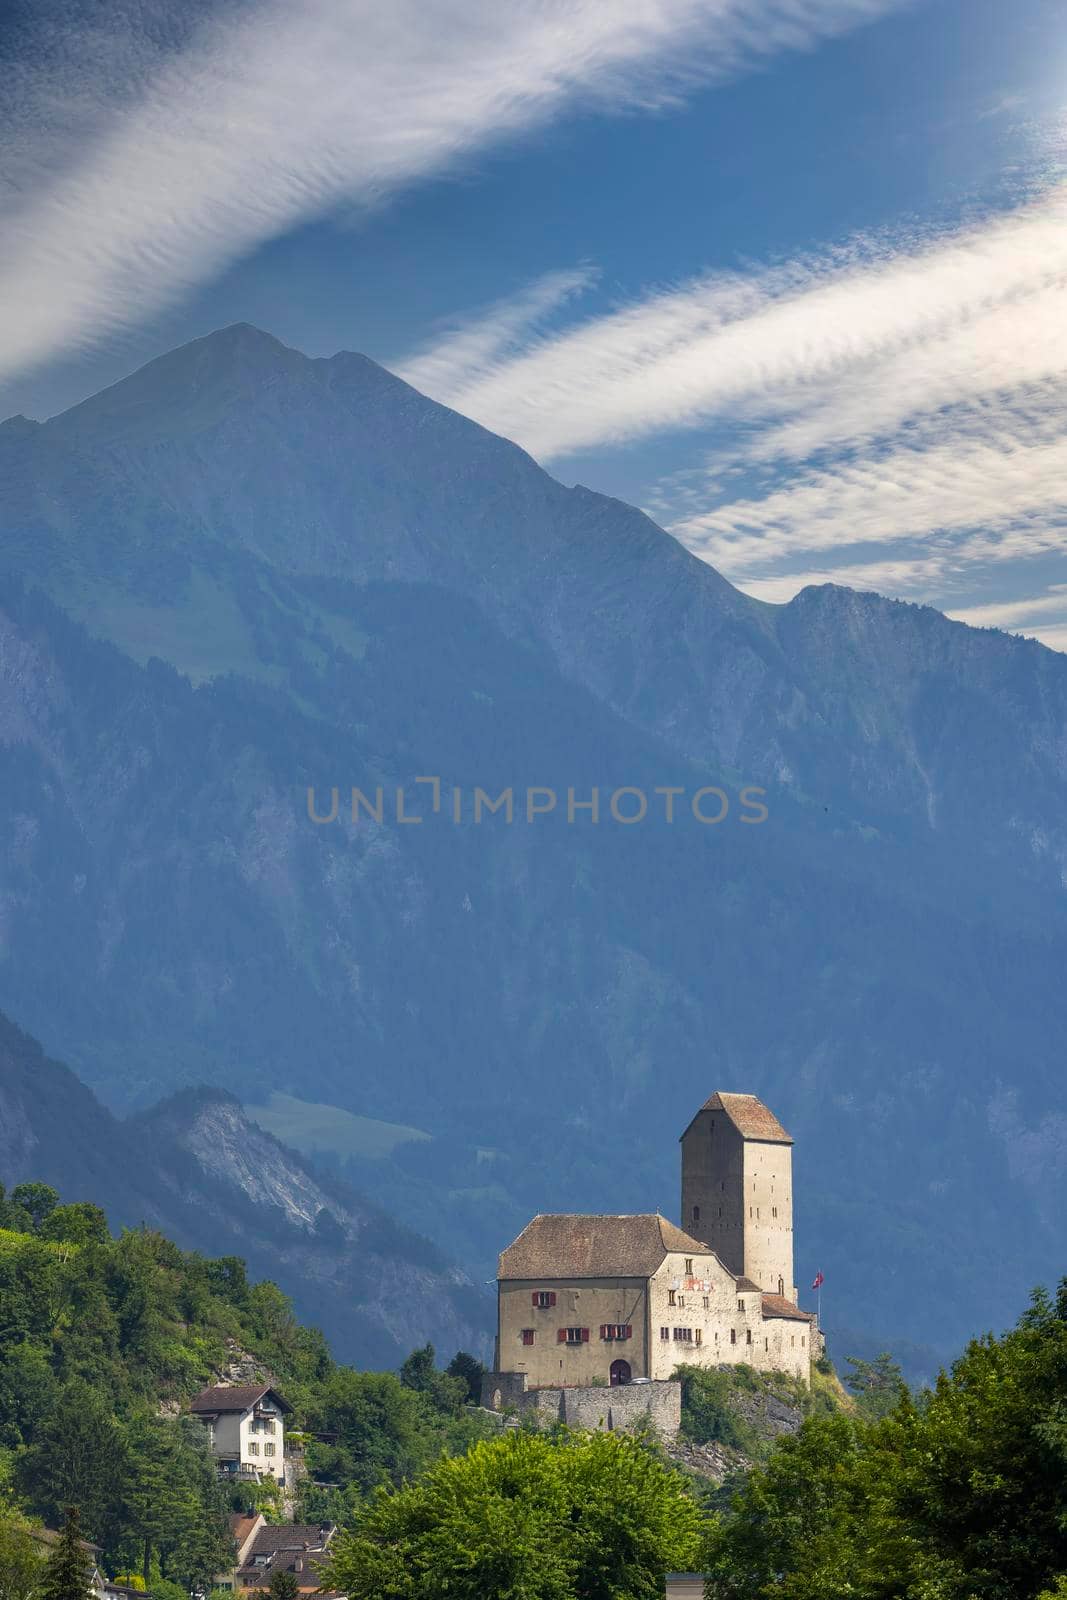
(246, 1429)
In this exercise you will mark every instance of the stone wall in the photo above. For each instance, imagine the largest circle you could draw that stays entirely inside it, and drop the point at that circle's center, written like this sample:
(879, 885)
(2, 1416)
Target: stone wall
(622, 1409)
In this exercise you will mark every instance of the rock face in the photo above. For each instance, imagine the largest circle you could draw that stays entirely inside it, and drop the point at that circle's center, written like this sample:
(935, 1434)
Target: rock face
(247, 574)
(191, 1168)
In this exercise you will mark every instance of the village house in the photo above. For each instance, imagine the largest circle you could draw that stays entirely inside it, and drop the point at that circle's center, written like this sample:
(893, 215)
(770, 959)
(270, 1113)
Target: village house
(590, 1300)
(246, 1429)
(298, 1548)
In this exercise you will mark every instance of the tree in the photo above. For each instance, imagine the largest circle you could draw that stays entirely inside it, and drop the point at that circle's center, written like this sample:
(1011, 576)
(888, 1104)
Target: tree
(283, 1585)
(470, 1371)
(419, 1372)
(877, 1384)
(38, 1200)
(80, 1223)
(78, 1458)
(21, 1565)
(69, 1571)
(526, 1517)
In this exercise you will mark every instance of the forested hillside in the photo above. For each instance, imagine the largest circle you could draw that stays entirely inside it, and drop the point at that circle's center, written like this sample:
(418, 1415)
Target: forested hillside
(104, 1341)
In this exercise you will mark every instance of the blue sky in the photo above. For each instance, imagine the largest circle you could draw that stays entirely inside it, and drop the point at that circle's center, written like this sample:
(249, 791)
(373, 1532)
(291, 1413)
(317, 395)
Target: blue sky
(791, 274)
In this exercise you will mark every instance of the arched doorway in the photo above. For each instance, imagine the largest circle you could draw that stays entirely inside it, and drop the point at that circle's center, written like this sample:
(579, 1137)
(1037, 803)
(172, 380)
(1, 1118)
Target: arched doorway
(620, 1373)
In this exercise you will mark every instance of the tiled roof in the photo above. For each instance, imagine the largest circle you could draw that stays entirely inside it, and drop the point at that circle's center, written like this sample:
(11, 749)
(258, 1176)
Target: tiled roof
(776, 1305)
(294, 1536)
(569, 1245)
(746, 1283)
(235, 1397)
(750, 1117)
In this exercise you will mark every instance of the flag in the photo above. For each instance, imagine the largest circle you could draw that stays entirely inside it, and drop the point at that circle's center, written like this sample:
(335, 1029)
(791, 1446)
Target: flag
(819, 1281)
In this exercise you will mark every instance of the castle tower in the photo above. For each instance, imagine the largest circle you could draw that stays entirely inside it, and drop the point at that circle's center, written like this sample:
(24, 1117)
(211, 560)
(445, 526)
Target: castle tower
(737, 1189)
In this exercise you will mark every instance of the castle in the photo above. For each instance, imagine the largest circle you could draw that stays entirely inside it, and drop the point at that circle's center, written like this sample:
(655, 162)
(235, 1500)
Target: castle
(588, 1301)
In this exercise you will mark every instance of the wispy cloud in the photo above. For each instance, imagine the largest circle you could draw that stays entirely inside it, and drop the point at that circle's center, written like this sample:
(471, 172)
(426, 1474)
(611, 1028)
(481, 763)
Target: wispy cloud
(286, 109)
(893, 409)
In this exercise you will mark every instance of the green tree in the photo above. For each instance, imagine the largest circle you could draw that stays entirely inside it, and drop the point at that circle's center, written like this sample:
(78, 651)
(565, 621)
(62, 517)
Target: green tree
(78, 1457)
(877, 1385)
(75, 1224)
(69, 1570)
(525, 1517)
(37, 1200)
(21, 1563)
(419, 1372)
(470, 1371)
(283, 1585)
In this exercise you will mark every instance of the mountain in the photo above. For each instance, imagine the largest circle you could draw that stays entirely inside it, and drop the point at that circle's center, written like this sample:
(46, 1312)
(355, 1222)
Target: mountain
(241, 574)
(197, 1170)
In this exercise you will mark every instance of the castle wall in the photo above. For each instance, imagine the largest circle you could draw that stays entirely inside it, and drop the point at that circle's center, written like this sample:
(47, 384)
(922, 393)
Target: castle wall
(713, 1179)
(768, 1216)
(618, 1410)
(720, 1324)
(580, 1303)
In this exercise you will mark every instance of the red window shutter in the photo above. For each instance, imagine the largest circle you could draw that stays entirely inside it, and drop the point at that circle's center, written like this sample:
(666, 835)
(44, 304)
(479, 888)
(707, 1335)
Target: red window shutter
(603, 1330)
(534, 1298)
(628, 1332)
(552, 1298)
(585, 1335)
(561, 1336)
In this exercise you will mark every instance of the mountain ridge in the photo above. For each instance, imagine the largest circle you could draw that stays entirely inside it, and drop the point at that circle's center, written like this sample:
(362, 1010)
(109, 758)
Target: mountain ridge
(292, 591)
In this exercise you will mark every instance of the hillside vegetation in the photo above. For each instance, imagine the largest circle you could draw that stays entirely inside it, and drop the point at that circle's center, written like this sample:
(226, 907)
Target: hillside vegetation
(102, 1343)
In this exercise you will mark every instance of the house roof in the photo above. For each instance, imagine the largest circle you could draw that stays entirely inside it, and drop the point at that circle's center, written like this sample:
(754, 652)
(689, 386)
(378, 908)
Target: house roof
(297, 1536)
(751, 1118)
(50, 1536)
(746, 1283)
(284, 1544)
(776, 1305)
(570, 1245)
(234, 1397)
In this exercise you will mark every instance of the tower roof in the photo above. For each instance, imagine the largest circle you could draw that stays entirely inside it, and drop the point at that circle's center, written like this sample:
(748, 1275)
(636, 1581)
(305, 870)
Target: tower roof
(751, 1118)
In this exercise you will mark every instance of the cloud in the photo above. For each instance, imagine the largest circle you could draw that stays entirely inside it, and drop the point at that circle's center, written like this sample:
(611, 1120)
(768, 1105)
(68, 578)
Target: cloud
(273, 114)
(495, 333)
(843, 344)
(890, 413)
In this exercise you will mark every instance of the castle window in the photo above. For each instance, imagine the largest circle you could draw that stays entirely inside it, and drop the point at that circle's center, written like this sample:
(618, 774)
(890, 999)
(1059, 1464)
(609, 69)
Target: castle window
(689, 1266)
(696, 1213)
(698, 1336)
(670, 1297)
(802, 1341)
(792, 1341)
(527, 1335)
(681, 1299)
(740, 1305)
(576, 1335)
(774, 1211)
(733, 1335)
(766, 1344)
(664, 1333)
(707, 1302)
(684, 1335)
(543, 1299)
(748, 1335)
(781, 1286)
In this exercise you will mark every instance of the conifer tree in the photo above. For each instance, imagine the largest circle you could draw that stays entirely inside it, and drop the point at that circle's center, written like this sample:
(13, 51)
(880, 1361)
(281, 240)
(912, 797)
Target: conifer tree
(69, 1573)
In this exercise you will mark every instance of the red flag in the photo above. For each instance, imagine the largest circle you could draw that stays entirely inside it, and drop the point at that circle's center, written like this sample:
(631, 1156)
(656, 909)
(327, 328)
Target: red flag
(819, 1281)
